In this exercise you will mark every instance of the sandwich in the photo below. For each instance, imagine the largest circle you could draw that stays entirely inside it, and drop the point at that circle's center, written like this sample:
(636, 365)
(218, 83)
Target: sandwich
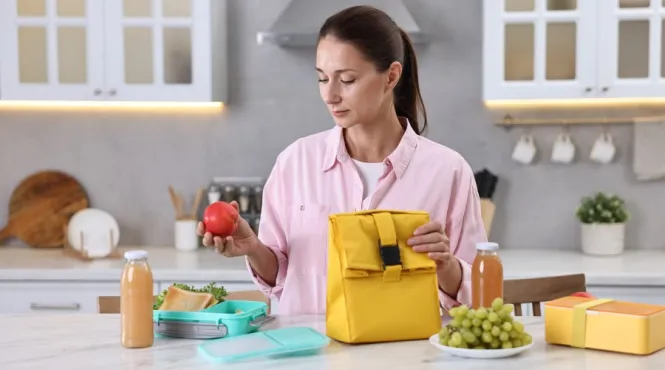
(182, 297)
(182, 300)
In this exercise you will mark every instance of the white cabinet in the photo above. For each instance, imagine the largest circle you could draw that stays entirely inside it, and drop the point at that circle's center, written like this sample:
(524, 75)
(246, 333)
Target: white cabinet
(631, 52)
(51, 50)
(55, 296)
(80, 296)
(113, 50)
(573, 49)
(535, 49)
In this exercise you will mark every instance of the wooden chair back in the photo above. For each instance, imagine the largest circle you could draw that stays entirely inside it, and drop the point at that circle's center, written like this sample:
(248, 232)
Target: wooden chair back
(537, 290)
(111, 304)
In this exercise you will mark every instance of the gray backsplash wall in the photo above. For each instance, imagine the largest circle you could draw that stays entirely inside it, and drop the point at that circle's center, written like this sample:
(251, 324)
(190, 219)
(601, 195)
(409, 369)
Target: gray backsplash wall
(127, 160)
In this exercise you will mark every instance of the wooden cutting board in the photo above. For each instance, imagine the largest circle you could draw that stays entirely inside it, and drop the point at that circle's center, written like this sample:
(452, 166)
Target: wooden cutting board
(40, 207)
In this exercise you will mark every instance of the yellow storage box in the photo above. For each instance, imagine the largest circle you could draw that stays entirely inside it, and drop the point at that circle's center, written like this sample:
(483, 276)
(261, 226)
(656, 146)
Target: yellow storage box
(605, 324)
(379, 289)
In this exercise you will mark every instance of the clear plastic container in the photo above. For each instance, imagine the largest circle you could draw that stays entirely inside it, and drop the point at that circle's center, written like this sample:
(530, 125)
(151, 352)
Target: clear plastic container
(136, 301)
(486, 275)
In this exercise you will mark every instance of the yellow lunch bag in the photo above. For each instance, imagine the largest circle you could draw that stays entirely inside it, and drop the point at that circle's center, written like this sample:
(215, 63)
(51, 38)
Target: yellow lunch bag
(378, 288)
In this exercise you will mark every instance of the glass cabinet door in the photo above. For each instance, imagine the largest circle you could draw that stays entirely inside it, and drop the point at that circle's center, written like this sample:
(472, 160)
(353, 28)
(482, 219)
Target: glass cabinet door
(51, 50)
(632, 56)
(539, 49)
(158, 50)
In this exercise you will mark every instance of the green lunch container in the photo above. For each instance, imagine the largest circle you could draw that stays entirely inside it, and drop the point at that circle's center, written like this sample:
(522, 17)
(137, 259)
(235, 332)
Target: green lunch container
(225, 319)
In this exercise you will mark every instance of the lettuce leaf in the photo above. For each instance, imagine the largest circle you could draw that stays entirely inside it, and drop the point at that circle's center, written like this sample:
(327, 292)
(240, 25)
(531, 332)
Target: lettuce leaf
(217, 291)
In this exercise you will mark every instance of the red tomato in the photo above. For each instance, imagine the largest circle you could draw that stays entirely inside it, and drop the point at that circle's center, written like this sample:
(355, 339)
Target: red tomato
(220, 219)
(582, 294)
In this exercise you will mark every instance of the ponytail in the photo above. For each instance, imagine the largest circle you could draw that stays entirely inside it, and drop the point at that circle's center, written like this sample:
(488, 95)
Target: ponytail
(408, 100)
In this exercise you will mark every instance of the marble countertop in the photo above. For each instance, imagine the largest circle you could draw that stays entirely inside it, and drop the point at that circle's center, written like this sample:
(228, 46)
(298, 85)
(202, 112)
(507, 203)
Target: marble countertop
(92, 341)
(633, 268)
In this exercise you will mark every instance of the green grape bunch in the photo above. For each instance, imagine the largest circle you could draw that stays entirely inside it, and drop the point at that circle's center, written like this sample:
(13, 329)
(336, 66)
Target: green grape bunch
(484, 328)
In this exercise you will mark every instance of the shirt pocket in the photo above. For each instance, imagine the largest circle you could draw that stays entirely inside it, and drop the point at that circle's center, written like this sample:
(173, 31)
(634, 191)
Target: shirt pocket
(308, 238)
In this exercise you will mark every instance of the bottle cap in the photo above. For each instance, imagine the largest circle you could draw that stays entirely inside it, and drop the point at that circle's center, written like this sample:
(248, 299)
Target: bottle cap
(136, 255)
(487, 246)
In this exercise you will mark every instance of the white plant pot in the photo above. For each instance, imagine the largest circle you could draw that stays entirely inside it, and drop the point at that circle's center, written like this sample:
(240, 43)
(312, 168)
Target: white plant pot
(603, 239)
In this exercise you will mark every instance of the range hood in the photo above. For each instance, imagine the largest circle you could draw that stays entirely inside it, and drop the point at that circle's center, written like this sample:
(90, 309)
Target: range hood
(298, 25)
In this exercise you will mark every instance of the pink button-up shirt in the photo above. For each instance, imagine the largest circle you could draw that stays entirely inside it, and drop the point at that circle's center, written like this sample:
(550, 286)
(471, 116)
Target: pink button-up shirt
(315, 177)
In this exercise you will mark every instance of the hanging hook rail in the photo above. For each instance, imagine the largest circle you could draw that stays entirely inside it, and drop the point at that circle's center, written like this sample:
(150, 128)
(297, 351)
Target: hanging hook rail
(509, 120)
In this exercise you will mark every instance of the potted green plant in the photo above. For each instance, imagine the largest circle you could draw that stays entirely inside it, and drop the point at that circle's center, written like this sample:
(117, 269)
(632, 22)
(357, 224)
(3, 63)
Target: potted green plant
(603, 217)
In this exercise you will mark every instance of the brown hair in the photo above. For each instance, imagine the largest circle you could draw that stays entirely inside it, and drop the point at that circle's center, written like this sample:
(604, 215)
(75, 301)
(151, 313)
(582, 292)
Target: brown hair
(377, 36)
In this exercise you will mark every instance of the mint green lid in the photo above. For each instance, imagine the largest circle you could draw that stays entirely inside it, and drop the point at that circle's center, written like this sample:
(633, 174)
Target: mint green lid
(277, 342)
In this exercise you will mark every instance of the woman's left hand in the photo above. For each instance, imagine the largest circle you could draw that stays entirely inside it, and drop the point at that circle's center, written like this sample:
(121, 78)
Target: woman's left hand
(431, 239)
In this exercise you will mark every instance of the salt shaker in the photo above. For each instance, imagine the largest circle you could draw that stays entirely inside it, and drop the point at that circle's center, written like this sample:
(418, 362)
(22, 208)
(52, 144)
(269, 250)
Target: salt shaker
(213, 194)
(243, 199)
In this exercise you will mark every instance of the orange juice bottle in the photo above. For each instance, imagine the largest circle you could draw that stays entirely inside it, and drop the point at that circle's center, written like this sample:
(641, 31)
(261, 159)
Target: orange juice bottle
(136, 300)
(486, 275)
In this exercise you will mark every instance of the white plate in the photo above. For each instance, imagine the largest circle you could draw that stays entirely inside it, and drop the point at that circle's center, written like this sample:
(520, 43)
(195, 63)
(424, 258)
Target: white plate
(478, 353)
(96, 226)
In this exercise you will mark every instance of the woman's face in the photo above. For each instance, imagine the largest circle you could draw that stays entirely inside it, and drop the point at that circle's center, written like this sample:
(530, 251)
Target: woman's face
(353, 90)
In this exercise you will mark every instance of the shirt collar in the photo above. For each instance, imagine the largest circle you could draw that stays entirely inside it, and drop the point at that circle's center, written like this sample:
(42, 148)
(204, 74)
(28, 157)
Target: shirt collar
(399, 159)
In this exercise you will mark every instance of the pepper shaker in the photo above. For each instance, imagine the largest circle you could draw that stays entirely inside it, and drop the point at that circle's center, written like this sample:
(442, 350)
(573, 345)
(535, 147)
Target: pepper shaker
(258, 197)
(229, 193)
(243, 199)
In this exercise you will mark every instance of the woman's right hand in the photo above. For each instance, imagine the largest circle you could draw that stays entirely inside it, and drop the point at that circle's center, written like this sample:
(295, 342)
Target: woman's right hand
(239, 243)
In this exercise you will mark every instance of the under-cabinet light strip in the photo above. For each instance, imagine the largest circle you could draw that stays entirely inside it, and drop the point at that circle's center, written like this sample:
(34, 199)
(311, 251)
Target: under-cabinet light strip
(116, 105)
(509, 121)
(574, 103)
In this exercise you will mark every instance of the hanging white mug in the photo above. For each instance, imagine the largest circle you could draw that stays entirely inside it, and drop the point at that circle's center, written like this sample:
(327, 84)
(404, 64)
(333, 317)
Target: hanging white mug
(525, 150)
(563, 150)
(603, 149)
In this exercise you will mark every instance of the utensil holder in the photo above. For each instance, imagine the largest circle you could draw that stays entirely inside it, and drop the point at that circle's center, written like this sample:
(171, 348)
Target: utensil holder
(186, 239)
(83, 253)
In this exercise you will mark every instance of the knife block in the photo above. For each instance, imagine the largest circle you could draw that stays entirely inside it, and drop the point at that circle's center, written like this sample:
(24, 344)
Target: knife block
(487, 208)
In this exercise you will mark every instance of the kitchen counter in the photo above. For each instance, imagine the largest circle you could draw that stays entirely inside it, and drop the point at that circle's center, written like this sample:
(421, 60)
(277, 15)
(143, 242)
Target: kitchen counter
(92, 341)
(46, 280)
(167, 264)
(633, 268)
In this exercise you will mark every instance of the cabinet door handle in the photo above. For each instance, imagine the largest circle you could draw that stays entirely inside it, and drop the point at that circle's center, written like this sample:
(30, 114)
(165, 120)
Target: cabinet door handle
(588, 89)
(97, 92)
(112, 92)
(47, 307)
(605, 88)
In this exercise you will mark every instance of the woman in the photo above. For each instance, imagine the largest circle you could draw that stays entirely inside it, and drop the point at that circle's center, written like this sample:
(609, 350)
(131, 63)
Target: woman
(373, 158)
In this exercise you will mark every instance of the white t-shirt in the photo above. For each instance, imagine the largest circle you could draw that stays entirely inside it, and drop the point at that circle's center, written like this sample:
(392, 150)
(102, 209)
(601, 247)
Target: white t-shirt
(369, 174)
